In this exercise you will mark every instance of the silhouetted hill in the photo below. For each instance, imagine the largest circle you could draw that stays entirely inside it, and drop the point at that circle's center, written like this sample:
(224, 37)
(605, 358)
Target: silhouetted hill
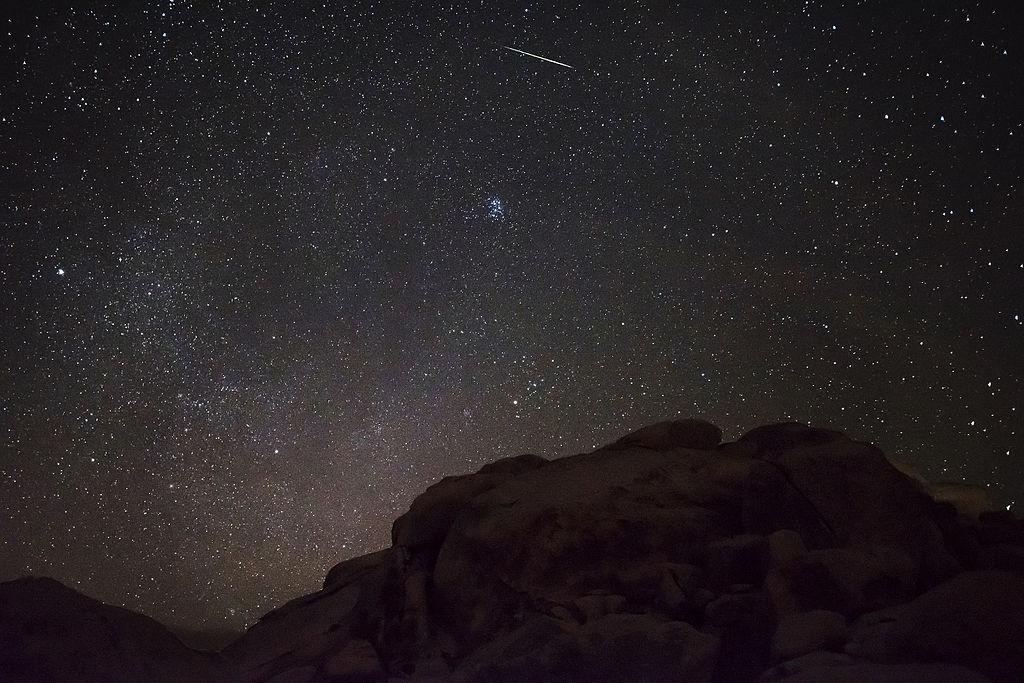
(49, 632)
(793, 554)
(205, 639)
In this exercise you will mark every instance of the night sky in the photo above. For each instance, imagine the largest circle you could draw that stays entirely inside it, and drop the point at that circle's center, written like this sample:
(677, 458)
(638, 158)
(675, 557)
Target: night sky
(266, 273)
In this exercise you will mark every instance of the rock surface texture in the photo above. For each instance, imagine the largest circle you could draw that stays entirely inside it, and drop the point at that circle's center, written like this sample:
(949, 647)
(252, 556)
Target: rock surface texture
(792, 554)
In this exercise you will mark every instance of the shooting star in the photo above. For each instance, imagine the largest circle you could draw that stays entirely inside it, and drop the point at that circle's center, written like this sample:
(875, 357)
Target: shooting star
(536, 56)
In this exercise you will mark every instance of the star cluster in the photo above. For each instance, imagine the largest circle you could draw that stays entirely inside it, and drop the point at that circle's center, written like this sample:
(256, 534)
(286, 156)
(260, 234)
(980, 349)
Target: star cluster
(266, 272)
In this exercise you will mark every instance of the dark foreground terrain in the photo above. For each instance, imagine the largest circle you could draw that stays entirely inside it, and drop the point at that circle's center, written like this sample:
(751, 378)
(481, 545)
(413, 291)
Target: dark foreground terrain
(793, 554)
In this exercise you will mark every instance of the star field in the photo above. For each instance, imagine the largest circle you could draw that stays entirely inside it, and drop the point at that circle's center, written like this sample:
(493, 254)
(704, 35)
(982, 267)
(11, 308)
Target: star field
(266, 273)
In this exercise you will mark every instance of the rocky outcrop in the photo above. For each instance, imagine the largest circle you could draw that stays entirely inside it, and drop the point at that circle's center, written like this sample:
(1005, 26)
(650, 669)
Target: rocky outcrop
(801, 633)
(791, 554)
(666, 436)
(975, 620)
(968, 499)
(663, 556)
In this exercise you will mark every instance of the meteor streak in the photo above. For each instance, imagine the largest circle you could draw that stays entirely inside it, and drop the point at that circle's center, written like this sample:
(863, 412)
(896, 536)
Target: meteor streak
(536, 56)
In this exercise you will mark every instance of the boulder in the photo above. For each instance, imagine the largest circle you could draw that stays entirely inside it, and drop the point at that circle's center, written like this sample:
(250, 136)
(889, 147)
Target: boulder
(356, 662)
(974, 620)
(872, 636)
(1003, 556)
(805, 632)
(576, 525)
(664, 556)
(968, 499)
(299, 674)
(848, 580)
(961, 534)
(786, 435)
(835, 492)
(1000, 527)
(785, 547)
(732, 608)
(829, 667)
(595, 606)
(350, 571)
(514, 465)
(664, 587)
(669, 435)
(744, 624)
(738, 559)
(432, 513)
(309, 629)
(812, 661)
(618, 647)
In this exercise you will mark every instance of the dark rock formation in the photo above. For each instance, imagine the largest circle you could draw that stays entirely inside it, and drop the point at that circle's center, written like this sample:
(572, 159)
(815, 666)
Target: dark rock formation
(665, 436)
(801, 633)
(792, 554)
(975, 620)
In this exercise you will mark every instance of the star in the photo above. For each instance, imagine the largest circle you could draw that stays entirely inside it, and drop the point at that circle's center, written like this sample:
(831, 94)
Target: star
(495, 208)
(319, 255)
